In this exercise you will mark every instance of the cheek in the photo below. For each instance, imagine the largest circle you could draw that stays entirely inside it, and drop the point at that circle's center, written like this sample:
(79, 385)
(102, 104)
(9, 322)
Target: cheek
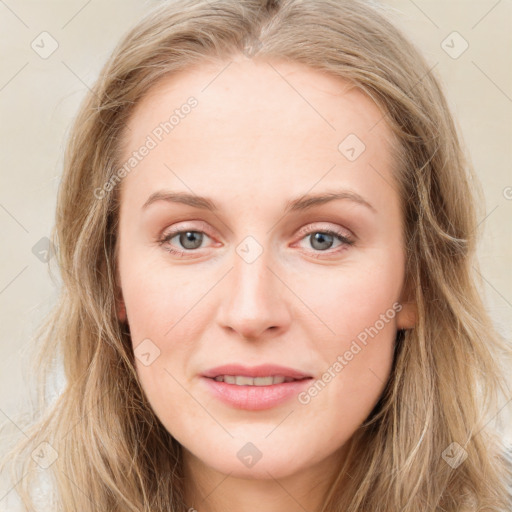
(166, 318)
(157, 298)
(353, 297)
(355, 372)
(359, 305)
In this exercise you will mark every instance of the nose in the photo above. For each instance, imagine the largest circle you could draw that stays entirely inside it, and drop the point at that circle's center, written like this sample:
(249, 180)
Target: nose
(253, 300)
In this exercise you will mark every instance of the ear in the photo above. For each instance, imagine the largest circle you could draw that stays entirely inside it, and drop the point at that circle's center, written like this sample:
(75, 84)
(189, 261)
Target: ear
(121, 309)
(407, 317)
(119, 300)
(120, 305)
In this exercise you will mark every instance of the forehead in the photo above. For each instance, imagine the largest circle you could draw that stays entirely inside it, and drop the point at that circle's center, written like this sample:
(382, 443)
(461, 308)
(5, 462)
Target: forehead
(256, 123)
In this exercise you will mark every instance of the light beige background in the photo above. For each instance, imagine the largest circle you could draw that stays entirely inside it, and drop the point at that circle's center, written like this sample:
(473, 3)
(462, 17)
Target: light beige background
(39, 98)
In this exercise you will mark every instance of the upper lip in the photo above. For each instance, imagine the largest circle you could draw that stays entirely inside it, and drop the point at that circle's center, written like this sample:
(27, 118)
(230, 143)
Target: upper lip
(264, 370)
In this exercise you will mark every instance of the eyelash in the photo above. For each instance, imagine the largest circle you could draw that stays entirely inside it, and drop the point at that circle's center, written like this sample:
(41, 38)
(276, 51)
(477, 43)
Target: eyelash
(304, 232)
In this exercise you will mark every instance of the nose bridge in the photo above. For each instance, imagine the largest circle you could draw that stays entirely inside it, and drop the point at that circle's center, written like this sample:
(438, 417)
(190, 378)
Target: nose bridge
(253, 301)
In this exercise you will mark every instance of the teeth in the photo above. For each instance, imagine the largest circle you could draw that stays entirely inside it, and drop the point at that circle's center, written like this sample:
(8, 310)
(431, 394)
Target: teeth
(242, 380)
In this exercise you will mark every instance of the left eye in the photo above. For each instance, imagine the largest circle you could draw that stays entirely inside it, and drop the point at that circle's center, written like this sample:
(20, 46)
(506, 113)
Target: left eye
(322, 239)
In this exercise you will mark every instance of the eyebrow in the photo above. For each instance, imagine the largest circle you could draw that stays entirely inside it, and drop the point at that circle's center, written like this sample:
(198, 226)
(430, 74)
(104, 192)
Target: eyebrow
(302, 203)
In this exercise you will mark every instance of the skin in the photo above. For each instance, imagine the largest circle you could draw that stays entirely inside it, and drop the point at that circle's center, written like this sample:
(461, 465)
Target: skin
(252, 144)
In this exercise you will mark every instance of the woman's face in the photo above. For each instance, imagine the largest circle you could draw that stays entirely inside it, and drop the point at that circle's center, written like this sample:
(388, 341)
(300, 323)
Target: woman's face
(260, 226)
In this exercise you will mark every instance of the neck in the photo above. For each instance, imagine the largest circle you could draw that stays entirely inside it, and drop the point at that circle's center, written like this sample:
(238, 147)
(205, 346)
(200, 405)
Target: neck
(208, 490)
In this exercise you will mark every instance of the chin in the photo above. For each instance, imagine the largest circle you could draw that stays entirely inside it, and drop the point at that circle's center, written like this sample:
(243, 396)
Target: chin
(258, 460)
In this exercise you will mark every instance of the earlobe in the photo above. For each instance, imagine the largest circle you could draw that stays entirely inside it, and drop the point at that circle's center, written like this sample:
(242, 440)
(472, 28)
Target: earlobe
(406, 318)
(120, 305)
(121, 311)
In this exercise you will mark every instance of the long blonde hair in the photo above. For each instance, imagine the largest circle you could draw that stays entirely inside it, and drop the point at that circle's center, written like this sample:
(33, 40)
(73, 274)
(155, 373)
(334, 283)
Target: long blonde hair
(113, 454)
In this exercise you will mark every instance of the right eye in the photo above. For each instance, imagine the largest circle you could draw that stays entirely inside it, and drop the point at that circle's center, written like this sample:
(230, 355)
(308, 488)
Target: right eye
(189, 240)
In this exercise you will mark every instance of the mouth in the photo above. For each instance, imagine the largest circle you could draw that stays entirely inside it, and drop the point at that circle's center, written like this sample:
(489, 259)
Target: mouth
(254, 375)
(244, 380)
(255, 388)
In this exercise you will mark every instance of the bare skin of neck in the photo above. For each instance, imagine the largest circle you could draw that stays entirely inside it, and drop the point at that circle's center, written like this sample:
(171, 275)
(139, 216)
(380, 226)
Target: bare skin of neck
(208, 490)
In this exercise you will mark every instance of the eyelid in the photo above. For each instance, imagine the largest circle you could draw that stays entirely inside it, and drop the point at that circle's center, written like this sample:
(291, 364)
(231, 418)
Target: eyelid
(324, 226)
(201, 227)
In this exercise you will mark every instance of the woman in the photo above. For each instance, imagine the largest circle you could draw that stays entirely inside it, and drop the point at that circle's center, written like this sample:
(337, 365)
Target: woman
(266, 238)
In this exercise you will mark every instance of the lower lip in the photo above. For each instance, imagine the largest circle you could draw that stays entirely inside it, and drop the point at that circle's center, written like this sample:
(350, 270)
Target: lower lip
(255, 398)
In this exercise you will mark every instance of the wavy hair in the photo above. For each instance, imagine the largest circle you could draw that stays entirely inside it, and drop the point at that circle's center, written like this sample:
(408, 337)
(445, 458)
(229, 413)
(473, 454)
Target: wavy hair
(113, 454)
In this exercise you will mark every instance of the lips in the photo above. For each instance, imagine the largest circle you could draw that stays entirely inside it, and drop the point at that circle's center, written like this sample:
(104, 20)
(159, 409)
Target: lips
(264, 370)
(254, 388)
